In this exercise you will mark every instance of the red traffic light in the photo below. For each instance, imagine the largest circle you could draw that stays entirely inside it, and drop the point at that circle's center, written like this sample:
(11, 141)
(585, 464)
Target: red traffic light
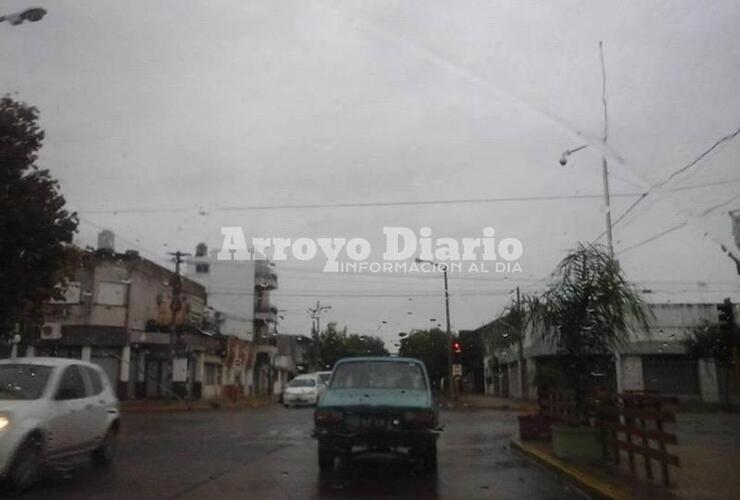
(456, 347)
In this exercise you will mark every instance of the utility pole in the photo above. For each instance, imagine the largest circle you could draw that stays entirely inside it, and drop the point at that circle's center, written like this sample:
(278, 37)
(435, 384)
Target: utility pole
(604, 167)
(520, 337)
(451, 392)
(175, 307)
(315, 313)
(453, 383)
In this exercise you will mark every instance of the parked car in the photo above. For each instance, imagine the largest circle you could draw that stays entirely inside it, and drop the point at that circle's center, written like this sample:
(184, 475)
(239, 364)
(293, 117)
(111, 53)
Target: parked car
(324, 377)
(377, 404)
(302, 390)
(52, 409)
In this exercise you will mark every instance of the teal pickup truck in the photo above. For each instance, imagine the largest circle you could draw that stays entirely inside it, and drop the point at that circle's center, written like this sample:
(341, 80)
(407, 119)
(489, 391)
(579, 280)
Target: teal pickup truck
(377, 404)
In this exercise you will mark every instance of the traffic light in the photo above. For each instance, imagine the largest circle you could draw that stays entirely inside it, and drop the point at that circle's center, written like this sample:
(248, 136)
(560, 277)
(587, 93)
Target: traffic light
(456, 347)
(726, 316)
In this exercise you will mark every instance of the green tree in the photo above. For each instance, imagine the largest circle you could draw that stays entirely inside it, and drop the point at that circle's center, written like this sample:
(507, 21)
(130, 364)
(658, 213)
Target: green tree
(432, 348)
(586, 314)
(334, 344)
(35, 228)
(364, 345)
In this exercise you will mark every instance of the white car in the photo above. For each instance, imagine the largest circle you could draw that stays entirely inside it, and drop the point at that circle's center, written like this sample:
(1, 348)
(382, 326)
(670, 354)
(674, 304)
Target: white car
(324, 378)
(52, 409)
(302, 390)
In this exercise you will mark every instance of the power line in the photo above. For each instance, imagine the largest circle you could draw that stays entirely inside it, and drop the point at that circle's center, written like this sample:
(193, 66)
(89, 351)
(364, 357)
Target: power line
(119, 237)
(674, 228)
(512, 199)
(653, 238)
(369, 204)
(675, 173)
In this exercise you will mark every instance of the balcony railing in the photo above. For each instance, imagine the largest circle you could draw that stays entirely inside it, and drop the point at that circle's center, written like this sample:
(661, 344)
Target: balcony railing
(264, 275)
(269, 314)
(265, 279)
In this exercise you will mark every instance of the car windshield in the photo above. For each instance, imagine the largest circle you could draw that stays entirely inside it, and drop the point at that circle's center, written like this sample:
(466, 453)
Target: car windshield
(23, 381)
(379, 375)
(302, 382)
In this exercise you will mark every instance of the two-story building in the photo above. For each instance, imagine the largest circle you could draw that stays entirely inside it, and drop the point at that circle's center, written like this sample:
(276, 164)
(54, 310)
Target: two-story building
(118, 312)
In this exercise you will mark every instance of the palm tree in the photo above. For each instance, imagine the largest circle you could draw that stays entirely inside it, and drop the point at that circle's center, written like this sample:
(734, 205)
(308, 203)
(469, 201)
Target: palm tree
(586, 313)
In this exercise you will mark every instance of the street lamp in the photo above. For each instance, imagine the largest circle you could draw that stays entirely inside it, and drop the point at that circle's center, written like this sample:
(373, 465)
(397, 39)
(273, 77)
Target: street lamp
(566, 155)
(604, 170)
(443, 267)
(31, 15)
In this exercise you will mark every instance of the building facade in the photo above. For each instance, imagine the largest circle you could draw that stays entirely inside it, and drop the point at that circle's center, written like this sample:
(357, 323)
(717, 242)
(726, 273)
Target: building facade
(240, 291)
(118, 312)
(653, 361)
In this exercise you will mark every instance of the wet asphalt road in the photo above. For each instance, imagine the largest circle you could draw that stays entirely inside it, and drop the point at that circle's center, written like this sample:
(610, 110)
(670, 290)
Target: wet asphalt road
(267, 453)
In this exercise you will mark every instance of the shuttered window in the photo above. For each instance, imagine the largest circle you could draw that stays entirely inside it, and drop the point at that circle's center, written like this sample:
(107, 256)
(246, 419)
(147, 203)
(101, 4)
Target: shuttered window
(670, 375)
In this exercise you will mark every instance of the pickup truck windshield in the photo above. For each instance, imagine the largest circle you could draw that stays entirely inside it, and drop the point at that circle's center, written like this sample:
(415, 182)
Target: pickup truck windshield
(379, 375)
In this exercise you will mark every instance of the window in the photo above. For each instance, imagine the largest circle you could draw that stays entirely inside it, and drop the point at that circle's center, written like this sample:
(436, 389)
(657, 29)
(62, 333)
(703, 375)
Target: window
(378, 375)
(111, 294)
(21, 381)
(96, 385)
(202, 268)
(72, 385)
(670, 374)
(302, 382)
(212, 374)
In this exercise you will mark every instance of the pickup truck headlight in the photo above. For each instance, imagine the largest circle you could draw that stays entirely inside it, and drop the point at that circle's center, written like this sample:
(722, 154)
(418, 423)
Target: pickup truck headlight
(4, 422)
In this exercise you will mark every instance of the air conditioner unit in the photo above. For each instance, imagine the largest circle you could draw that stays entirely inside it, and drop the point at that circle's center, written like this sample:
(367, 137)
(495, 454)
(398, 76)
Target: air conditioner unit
(51, 331)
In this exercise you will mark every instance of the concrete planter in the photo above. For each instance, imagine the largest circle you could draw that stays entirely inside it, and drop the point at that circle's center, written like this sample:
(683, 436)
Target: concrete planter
(577, 443)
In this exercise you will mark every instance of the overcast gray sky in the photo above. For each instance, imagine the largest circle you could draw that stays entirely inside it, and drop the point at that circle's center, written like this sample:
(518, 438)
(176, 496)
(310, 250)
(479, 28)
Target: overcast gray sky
(197, 106)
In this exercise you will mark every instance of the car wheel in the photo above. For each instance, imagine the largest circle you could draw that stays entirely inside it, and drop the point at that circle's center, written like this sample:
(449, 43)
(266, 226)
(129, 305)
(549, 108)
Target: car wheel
(326, 457)
(105, 452)
(24, 471)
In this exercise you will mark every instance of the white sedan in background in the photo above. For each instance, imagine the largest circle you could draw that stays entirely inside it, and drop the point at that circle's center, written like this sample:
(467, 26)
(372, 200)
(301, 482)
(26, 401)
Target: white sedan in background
(302, 390)
(50, 410)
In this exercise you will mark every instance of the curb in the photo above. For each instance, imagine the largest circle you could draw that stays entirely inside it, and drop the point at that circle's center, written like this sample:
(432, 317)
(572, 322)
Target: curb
(504, 407)
(585, 482)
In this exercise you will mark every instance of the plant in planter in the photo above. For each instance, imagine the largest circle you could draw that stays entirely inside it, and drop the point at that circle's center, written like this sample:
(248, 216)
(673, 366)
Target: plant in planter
(586, 314)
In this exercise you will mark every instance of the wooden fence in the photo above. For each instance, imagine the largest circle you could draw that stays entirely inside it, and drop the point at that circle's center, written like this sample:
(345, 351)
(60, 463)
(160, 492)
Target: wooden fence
(634, 423)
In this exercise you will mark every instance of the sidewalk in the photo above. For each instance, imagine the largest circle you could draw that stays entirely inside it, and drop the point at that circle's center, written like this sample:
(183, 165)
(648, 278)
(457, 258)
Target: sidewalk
(172, 406)
(708, 451)
(599, 481)
(492, 403)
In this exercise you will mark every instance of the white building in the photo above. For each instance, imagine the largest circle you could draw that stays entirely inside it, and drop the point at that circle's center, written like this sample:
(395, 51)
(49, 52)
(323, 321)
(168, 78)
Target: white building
(653, 361)
(239, 291)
